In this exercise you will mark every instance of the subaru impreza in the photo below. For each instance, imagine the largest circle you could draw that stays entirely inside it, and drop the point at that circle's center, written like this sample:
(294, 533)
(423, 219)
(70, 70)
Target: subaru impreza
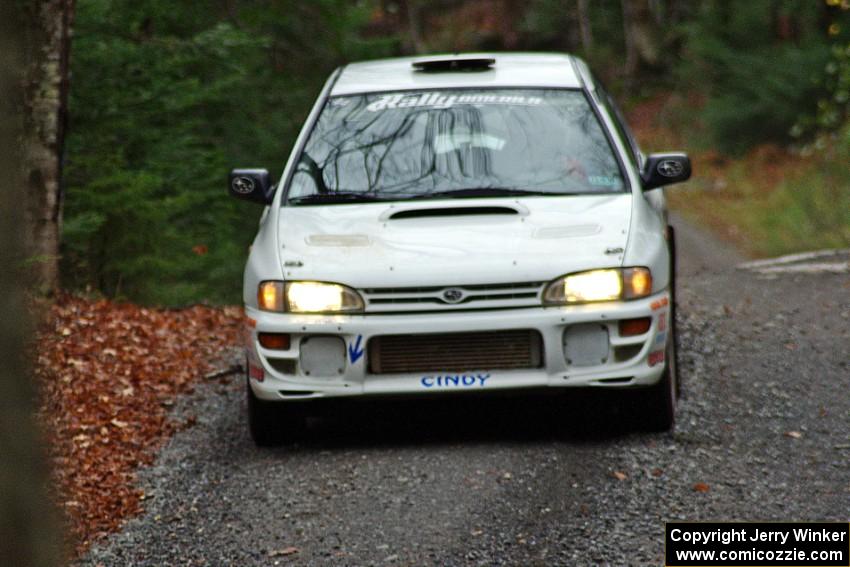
(459, 224)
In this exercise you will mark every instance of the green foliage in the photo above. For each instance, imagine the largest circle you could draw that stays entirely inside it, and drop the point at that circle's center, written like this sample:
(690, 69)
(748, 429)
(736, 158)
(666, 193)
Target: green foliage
(757, 82)
(553, 25)
(547, 22)
(166, 98)
(811, 210)
(760, 98)
(833, 107)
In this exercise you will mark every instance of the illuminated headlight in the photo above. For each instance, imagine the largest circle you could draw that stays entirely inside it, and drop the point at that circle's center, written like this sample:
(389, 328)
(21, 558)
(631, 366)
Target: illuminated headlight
(308, 297)
(599, 285)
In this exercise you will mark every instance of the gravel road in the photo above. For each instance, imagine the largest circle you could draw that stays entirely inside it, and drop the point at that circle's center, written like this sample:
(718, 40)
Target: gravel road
(763, 434)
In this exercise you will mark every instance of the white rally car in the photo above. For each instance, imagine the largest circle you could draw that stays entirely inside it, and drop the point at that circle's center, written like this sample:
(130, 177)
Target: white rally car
(468, 223)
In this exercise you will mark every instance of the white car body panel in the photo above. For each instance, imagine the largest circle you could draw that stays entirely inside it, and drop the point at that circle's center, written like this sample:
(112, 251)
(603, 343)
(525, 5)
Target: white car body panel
(513, 70)
(360, 245)
(357, 330)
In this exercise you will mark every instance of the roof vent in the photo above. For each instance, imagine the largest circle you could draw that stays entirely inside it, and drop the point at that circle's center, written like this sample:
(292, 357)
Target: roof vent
(454, 63)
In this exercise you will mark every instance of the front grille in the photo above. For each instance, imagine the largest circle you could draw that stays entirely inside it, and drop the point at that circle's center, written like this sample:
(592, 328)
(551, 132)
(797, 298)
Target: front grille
(455, 352)
(433, 298)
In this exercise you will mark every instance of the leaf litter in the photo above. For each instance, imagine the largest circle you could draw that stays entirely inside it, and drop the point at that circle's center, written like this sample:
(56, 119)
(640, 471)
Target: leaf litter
(109, 373)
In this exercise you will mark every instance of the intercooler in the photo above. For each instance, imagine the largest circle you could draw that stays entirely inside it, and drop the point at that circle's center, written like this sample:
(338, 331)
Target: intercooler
(455, 352)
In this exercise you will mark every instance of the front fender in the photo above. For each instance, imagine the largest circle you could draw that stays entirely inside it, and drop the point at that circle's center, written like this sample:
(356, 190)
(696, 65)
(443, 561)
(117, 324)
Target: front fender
(647, 244)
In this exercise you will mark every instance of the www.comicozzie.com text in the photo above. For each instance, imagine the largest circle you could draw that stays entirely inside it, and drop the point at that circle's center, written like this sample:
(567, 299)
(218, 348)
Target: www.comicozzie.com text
(744, 534)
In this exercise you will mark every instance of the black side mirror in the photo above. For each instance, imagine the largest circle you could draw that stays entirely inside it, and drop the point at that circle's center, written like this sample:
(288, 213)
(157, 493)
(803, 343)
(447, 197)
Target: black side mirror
(252, 185)
(665, 169)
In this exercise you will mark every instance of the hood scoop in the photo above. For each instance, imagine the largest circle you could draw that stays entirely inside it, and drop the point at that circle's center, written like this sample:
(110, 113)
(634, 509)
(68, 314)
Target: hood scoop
(451, 212)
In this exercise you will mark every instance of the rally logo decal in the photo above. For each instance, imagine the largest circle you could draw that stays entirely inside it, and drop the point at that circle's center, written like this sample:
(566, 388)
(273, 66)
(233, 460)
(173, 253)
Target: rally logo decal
(443, 101)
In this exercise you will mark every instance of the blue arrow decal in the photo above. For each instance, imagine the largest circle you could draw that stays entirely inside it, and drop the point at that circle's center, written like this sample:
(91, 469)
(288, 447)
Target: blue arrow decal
(355, 351)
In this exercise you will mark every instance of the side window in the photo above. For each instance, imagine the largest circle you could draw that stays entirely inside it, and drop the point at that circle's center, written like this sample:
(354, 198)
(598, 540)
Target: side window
(623, 131)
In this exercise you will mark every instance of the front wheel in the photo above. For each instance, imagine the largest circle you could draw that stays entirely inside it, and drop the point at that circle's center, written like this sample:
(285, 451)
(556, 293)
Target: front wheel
(674, 336)
(658, 411)
(271, 423)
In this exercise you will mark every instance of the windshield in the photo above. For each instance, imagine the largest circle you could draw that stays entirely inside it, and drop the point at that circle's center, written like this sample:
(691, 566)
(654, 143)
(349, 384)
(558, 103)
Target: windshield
(457, 143)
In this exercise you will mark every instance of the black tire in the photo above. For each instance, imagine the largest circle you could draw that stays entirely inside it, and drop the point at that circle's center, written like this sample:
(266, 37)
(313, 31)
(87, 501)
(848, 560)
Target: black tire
(658, 410)
(273, 423)
(671, 324)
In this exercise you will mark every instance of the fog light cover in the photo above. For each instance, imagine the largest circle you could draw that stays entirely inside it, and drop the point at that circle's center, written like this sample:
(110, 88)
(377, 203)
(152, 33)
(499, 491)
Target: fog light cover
(586, 344)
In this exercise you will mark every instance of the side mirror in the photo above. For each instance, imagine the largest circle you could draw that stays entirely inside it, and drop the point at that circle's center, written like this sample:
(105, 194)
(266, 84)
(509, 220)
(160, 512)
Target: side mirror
(252, 185)
(665, 169)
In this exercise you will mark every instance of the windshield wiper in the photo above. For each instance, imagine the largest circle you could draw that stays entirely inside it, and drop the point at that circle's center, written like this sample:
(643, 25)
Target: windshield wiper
(331, 198)
(485, 192)
(470, 192)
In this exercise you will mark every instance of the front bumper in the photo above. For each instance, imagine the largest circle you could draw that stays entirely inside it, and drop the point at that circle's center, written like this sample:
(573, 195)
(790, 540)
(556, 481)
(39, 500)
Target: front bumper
(281, 374)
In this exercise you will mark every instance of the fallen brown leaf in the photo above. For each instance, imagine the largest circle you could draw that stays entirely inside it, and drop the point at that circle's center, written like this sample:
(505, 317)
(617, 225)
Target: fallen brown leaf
(108, 372)
(701, 487)
(283, 552)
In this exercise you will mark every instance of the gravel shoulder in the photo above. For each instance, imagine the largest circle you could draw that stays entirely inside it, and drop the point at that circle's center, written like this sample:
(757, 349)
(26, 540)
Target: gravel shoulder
(762, 435)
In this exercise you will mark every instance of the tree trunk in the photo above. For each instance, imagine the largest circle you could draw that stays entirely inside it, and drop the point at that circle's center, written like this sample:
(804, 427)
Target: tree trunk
(675, 12)
(47, 50)
(416, 27)
(584, 27)
(511, 12)
(641, 38)
(656, 10)
(28, 530)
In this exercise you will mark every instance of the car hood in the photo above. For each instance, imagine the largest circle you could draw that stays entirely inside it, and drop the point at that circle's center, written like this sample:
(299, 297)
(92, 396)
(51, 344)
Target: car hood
(453, 242)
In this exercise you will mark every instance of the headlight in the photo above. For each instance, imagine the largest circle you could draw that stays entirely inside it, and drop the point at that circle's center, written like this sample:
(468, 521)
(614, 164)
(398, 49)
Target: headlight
(308, 297)
(599, 285)
(318, 297)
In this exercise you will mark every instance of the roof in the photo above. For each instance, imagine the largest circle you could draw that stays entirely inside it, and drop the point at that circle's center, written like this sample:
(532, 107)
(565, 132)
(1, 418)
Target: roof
(509, 70)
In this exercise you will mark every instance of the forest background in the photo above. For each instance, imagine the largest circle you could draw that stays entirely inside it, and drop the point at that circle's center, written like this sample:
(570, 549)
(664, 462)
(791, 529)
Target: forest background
(165, 97)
